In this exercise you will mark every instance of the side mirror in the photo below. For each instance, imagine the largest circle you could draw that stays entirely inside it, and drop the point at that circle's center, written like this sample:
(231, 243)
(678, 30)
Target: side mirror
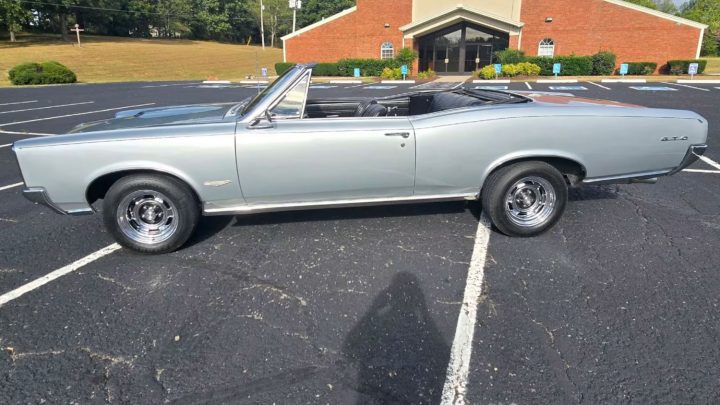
(263, 122)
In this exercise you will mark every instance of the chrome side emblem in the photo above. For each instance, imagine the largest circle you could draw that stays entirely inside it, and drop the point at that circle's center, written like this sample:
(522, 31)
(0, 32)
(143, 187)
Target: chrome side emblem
(217, 183)
(674, 138)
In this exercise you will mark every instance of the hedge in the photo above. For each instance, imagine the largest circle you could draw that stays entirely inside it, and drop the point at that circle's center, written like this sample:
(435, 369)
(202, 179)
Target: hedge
(326, 69)
(603, 63)
(41, 73)
(510, 56)
(283, 67)
(368, 67)
(641, 68)
(571, 65)
(679, 67)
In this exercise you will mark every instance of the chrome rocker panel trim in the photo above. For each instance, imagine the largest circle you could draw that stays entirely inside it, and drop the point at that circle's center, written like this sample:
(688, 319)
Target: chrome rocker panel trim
(38, 195)
(253, 209)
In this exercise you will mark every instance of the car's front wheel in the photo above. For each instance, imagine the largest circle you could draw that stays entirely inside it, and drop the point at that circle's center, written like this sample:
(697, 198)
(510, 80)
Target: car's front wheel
(525, 199)
(150, 213)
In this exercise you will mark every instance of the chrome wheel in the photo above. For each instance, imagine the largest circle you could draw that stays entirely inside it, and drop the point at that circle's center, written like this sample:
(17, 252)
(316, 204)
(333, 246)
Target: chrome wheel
(530, 201)
(147, 216)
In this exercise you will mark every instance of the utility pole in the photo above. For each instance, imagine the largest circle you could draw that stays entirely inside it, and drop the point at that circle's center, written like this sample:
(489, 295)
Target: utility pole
(262, 24)
(295, 5)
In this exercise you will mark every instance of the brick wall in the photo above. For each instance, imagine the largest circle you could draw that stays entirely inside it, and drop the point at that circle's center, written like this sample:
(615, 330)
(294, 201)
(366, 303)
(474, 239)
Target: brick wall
(355, 35)
(585, 27)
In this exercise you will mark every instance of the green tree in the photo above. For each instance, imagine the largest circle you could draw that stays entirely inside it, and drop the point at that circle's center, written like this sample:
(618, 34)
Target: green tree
(666, 6)
(277, 17)
(706, 12)
(13, 16)
(316, 10)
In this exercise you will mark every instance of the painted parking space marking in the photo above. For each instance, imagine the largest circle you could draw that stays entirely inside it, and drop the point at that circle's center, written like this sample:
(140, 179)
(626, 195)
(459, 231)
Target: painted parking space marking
(710, 162)
(37, 283)
(701, 171)
(490, 88)
(568, 88)
(653, 88)
(46, 108)
(685, 85)
(19, 102)
(2, 131)
(379, 87)
(6, 145)
(11, 186)
(168, 85)
(322, 86)
(599, 85)
(456, 380)
(77, 114)
(438, 85)
(528, 85)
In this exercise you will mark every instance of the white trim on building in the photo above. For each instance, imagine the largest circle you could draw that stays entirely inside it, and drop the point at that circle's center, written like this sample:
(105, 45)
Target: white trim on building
(319, 23)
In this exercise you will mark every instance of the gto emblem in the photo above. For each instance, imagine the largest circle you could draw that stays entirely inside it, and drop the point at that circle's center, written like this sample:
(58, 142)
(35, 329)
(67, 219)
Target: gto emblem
(674, 138)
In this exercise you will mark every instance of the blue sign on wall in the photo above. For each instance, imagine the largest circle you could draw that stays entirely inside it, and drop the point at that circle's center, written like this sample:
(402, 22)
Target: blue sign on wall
(557, 67)
(404, 69)
(498, 68)
(624, 68)
(356, 72)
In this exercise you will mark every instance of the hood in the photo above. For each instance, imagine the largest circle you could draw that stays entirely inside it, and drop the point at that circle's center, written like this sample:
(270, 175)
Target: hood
(160, 116)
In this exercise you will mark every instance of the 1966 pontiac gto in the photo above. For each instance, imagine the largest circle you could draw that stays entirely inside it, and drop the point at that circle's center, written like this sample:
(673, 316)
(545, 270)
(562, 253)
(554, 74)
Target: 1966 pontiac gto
(157, 170)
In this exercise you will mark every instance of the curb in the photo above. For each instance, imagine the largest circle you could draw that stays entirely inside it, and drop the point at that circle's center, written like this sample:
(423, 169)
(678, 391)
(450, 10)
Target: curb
(687, 81)
(397, 81)
(253, 82)
(216, 82)
(623, 81)
(345, 82)
(499, 81)
(556, 81)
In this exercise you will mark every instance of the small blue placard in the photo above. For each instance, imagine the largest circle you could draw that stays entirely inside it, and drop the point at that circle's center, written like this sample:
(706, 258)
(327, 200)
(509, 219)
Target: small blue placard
(264, 72)
(624, 68)
(498, 68)
(356, 72)
(557, 67)
(404, 69)
(693, 69)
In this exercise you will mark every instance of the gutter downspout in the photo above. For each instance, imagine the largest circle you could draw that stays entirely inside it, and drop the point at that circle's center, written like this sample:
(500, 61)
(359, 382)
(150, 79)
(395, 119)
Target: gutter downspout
(702, 35)
(284, 53)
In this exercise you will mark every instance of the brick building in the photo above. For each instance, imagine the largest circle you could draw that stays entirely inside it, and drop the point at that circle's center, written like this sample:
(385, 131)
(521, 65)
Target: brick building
(458, 38)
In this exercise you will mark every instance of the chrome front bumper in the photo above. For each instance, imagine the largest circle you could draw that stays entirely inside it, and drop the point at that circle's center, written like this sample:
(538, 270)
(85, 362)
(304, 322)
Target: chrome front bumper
(38, 195)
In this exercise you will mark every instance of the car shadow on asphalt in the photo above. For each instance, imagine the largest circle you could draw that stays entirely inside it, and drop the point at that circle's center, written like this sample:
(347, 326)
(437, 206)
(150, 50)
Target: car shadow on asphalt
(396, 348)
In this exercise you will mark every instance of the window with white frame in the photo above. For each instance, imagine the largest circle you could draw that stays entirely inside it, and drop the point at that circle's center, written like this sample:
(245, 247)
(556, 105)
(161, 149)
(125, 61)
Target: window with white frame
(547, 48)
(387, 51)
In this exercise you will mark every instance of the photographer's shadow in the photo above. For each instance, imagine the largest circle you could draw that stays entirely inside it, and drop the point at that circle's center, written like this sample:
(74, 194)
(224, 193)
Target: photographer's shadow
(399, 353)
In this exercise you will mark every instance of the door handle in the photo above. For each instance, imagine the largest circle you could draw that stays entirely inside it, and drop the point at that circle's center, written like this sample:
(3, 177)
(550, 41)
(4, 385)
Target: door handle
(403, 134)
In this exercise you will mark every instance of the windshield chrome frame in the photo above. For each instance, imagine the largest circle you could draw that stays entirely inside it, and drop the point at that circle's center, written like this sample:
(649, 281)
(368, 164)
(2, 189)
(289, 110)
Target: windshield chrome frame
(258, 112)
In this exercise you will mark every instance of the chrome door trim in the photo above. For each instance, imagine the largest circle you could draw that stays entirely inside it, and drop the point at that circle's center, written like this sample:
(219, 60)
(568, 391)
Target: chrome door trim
(252, 209)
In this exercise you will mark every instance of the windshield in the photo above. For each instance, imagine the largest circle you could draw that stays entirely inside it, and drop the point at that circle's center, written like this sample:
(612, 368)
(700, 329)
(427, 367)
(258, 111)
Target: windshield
(278, 83)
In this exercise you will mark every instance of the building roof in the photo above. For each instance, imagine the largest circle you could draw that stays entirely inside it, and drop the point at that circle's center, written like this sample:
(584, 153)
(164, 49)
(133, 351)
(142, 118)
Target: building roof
(657, 13)
(319, 23)
(461, 13)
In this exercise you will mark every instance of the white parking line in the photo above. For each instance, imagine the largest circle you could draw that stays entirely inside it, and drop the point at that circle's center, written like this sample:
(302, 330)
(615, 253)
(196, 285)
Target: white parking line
(599, 85)
(710, 162)
(528, 85)
(701, 171)
(10, 186)
(456, 379)
(7, 145)
(76, 114)
(7, 297)
(685, 85)
(45, 108)
(2, 131)
(20, 102)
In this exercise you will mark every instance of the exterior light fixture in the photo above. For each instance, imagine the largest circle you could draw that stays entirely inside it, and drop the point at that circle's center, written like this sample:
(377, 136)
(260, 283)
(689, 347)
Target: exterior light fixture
(387, 25)
(548, 19)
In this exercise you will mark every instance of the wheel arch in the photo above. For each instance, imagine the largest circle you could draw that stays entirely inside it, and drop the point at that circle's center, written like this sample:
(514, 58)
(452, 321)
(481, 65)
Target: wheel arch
(570, 166)
(100, 185)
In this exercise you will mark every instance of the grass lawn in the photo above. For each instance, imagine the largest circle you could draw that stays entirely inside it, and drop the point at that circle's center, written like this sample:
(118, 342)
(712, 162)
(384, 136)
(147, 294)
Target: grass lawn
(113, 59)
(713, 65)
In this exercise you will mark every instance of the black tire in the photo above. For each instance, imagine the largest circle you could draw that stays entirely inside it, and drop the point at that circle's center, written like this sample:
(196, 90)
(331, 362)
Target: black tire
(539, 181)
(164, 199)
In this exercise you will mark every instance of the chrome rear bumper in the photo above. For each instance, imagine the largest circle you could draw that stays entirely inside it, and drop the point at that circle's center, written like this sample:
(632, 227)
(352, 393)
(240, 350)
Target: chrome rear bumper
(693, 154)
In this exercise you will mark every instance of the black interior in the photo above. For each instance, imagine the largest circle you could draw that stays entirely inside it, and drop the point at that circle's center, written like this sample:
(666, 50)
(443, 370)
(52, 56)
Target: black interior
(404, 105)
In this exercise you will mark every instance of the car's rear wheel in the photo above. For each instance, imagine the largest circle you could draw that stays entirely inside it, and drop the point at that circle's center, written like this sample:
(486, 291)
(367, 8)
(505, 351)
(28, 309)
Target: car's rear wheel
(525, 199)
(150, 213)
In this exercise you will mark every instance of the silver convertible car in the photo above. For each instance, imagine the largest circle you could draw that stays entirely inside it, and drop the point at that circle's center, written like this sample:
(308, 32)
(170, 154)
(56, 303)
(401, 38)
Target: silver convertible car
(152, 173)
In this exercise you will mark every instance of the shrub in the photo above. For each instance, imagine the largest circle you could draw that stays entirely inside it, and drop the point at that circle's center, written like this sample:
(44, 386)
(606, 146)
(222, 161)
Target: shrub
(391, 73)
(571, 65)
(487, 72)
(282, 67)
(679, 67)
(510, 56)
(41, 73)
(406, 56)
(641, 68)
(326, 69)
(428, 74)
(603, 63)
(509, 70)
(368, 67)
(528, 69)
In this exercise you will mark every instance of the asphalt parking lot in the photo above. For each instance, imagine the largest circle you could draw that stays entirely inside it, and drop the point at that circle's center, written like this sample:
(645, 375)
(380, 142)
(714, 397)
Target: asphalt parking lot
(616, 304)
